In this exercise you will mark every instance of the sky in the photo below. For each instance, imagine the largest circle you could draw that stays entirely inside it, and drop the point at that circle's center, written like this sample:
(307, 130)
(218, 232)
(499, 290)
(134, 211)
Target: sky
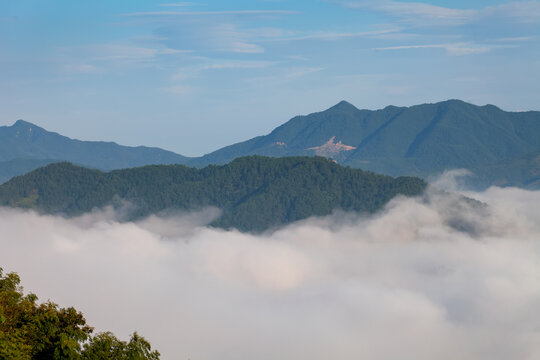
(194, 76)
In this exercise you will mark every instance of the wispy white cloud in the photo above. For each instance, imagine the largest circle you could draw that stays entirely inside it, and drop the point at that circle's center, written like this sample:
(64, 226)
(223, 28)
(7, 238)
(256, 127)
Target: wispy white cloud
(424, 14)
(117, 52)
(331, 36)
(100, 58)
(269, 32)
(416, 12)
(181, 89)
(108, 52)
(456, 49)
(242, 64)
(296, 57)
(205, 35)
(169, 51)
(211, 13)
(83, 68)
(516, 39)
(521, 11)
(191, 72)
(298, 72)
(214, 30)
(228, 37)
(194, 71)
(284, 76)
(243, 47)
(467, 50)
(151, 39)
(181, 4)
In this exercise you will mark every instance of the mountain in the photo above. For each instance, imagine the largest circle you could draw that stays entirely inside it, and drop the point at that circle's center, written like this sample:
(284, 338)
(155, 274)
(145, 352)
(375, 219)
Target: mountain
(254, 193)
(523, 172)
(498, 147)
(25, 146)
(420, 140)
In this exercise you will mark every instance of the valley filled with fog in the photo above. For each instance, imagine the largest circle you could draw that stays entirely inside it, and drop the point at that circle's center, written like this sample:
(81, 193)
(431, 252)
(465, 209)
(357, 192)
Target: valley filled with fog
(432, 277)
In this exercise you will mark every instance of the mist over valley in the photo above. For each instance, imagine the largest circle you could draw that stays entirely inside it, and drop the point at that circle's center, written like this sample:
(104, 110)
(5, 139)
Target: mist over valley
(343, 286)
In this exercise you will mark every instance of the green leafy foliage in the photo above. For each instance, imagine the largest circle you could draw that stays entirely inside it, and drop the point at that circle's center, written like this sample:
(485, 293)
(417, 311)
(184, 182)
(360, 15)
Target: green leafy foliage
(107, 346)
(33, 331)
(255, 193)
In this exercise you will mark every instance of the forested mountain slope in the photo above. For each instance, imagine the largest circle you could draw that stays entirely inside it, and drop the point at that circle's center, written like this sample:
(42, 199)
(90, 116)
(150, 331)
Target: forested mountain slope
(420, 140)
(254, 193)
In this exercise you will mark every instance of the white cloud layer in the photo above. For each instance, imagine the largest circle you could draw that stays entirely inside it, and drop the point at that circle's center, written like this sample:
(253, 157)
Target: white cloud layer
(433, 279)
(424, 14)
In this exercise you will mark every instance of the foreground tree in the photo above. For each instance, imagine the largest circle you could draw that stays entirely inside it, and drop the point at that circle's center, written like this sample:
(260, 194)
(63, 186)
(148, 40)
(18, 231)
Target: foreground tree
(32, 331)
(107, 346)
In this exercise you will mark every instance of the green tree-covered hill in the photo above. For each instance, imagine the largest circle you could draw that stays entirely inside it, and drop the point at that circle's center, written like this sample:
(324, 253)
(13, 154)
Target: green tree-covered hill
(254, 193)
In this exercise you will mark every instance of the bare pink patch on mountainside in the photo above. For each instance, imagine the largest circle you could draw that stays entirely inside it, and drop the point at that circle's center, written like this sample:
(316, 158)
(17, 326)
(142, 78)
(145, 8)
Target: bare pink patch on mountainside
(330, 149)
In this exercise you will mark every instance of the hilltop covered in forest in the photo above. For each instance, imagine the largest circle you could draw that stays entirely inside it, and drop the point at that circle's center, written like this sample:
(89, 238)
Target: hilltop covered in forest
(254, 193)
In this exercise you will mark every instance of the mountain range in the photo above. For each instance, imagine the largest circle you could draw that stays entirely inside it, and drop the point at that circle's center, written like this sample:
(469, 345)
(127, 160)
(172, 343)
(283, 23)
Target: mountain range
(254, 193)
(498, 147)
(25, 146)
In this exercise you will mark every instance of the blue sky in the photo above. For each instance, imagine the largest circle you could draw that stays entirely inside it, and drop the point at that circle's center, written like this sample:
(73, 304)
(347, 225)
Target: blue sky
(195, 76)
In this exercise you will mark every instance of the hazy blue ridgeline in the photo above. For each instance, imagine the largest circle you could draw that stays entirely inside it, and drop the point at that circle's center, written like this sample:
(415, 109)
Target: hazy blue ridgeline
(499, 147)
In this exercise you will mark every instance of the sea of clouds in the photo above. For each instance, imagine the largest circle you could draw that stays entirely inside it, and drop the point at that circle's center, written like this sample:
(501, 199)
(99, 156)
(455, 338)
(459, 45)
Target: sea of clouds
(435, 277)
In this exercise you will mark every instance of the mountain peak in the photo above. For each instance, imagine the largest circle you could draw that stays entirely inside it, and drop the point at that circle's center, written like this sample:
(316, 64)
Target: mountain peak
(343, 106)
(454, 102)
(23, 124)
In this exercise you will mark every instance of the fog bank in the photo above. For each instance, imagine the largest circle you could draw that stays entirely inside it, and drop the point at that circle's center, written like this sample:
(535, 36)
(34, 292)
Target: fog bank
(432, 278)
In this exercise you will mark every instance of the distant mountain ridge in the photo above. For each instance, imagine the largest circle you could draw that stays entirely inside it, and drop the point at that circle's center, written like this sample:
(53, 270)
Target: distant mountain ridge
(420, 140)
(498, 147)
(24, 144)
